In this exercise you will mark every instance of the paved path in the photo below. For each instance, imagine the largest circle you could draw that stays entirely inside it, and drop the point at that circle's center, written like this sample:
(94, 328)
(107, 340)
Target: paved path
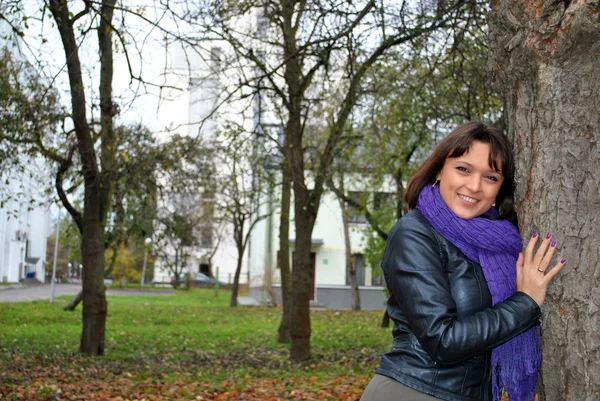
(41, 292)
(247, 301)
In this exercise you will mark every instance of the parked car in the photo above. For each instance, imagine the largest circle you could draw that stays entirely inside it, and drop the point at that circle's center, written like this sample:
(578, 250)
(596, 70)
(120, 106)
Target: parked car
(196, 280)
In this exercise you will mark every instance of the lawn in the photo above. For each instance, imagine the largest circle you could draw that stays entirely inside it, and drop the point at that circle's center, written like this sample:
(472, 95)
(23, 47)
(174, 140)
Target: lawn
(189, 346)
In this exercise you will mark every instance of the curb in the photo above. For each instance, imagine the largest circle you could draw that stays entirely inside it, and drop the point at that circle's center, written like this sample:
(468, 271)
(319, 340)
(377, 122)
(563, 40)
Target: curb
(11, 287)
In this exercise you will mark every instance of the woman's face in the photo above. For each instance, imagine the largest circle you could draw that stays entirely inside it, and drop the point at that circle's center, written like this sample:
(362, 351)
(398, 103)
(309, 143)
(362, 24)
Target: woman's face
(468, 184)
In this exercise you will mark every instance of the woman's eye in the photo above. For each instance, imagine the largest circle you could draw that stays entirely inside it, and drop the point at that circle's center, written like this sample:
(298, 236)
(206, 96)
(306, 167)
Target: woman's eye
(492, 178)
(463, 169)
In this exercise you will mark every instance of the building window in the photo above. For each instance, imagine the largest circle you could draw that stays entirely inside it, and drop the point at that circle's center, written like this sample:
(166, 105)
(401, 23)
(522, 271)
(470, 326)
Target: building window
(358, 264)
(355, 215)
(377, 276)
(384, 200)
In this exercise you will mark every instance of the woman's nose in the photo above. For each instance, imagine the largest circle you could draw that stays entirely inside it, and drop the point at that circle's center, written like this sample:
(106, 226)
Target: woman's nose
(474, 183)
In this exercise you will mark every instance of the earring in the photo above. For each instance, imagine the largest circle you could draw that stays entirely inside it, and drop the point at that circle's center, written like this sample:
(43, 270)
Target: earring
(436, 181)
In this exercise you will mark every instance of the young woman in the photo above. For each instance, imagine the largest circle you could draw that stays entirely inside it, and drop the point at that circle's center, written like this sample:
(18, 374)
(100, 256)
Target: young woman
(465, 301)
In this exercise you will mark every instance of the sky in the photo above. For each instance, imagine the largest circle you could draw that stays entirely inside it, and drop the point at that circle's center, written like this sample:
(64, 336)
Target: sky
(146, 57)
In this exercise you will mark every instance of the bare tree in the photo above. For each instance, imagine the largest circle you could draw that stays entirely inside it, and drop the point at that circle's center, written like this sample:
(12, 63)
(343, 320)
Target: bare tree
(85, 152)
(283, 256)
(545, 60)
(350, 264)
(311, 52)
(242, 200)
(175, 237)
(97, 177)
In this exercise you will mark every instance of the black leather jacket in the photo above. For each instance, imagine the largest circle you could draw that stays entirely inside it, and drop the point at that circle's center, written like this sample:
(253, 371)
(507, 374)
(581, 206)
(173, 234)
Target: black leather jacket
(444, 324)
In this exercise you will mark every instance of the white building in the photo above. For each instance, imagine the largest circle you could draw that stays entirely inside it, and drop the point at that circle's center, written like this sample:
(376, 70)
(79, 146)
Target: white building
(24, 225)
(183, 111)
(24, 229)
(188, 112)
(330, 280)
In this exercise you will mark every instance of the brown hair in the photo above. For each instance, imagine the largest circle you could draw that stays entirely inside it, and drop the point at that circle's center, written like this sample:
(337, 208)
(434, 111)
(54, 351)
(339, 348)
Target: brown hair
(455, 145)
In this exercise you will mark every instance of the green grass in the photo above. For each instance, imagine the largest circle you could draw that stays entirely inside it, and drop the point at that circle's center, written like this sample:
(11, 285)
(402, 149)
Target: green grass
(188, 338)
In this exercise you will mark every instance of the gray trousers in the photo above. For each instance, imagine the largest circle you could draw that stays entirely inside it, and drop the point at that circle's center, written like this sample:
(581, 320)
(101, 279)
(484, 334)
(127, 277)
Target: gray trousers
(383, 388)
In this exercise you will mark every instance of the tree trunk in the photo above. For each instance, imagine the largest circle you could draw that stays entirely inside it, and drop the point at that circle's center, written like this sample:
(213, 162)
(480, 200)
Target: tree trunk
(74, 302)
(301, 325)
(545, 57)
(305, 211)
(304, 219)
(108, 110)
(238, 237)
(92, 244)
(236, 280)
(350, 266)
(113, 260)
(94, 293)
(284, 253)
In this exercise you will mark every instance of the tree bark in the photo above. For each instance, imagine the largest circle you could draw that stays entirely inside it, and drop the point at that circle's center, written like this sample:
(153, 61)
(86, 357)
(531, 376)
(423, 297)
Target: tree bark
(301, 324)
(304, 223)
(350, 267)
(74, 302)
(284, 252)
(113, 260)
(544, 56)
(94, 293)
(92, 244)
(236, 280)
(108, 110)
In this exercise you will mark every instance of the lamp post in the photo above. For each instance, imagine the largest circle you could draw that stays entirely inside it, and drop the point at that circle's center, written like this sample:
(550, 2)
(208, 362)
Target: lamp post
(53, 279)
(148, 241)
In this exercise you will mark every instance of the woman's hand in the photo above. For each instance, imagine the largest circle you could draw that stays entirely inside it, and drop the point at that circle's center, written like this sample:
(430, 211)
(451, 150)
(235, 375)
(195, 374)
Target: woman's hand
(533, 275)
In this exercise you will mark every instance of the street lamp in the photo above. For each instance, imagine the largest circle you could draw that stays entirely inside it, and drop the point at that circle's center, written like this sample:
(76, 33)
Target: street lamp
(70, 265)
(148, 241)
(53, 279)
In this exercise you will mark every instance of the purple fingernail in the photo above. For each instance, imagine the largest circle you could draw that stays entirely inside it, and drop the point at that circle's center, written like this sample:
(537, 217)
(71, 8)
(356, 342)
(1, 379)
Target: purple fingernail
(553, 244)
(548, 236)
(563, 260)
(534, 234)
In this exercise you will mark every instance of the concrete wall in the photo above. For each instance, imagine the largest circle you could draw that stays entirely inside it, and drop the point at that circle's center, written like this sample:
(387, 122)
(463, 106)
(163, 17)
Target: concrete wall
(333, 297)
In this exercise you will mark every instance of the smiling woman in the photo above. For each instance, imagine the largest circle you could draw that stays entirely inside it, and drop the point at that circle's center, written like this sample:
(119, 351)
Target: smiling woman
(469, 184)
(464, 300)
(481, 159)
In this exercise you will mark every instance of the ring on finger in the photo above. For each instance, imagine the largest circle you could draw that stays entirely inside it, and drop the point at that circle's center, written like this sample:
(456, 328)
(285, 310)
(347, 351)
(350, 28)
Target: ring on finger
(540, 270)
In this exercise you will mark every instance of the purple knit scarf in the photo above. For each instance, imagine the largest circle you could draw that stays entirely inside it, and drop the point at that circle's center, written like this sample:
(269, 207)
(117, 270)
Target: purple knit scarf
(495, 245)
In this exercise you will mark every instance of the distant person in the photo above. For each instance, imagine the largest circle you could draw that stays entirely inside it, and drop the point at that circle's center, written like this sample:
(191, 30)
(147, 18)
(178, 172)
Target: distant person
(464, 300)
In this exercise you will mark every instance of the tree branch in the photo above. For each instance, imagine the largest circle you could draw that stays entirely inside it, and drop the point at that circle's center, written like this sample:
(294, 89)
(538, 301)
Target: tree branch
(75, 214)
(350, 100)
(83, 12)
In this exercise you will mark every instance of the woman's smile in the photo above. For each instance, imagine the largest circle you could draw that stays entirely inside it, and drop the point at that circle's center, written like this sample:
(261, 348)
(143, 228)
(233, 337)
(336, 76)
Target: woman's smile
(467, 199)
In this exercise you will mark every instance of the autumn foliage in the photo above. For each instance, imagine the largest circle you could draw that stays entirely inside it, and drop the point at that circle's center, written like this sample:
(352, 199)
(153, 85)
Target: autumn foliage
(186, 346)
